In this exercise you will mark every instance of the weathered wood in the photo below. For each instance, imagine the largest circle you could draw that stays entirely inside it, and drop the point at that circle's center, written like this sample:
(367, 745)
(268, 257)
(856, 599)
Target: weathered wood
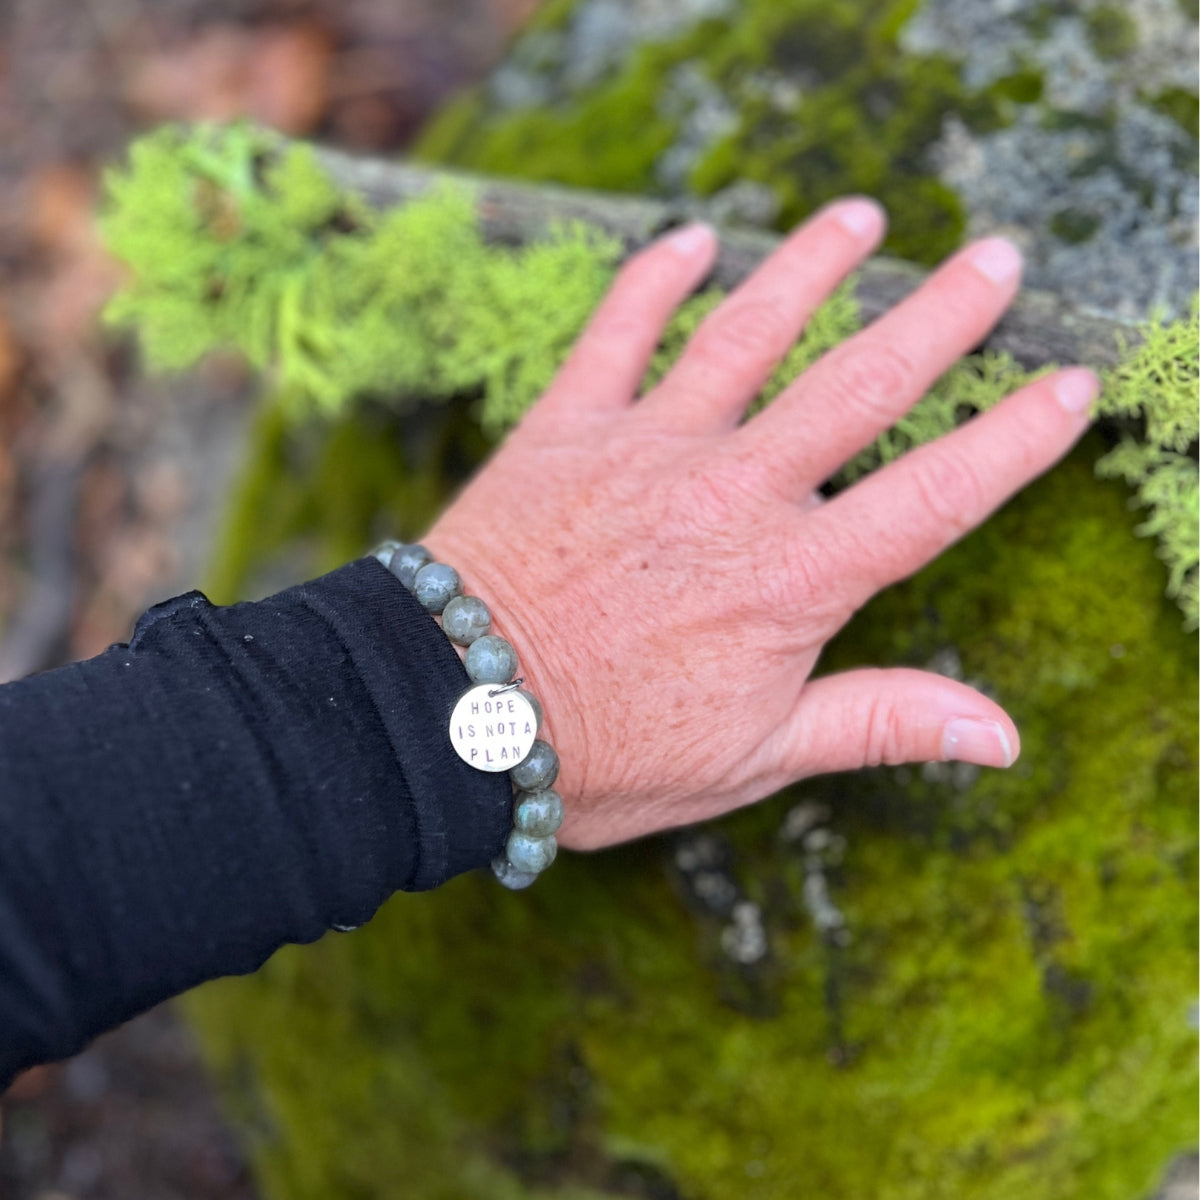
(1040, 327)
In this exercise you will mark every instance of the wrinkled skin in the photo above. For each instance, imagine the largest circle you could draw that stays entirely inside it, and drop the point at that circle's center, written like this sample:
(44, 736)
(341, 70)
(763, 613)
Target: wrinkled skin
(666, 569)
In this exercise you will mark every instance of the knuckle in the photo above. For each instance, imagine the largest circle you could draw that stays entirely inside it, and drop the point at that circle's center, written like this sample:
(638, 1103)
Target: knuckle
(641, 280)
(885, 735)
(619, 325)
(748, 329)
(1027, 442)
(873, 380)
(644, 268)
(712, 496)
(800, 577)
(948, 488)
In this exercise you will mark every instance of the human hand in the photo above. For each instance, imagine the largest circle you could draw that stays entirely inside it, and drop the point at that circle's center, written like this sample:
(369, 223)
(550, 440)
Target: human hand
(668, 572)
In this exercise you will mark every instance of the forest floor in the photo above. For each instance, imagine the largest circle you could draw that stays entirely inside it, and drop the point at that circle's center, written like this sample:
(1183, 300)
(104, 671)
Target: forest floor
(110, 484)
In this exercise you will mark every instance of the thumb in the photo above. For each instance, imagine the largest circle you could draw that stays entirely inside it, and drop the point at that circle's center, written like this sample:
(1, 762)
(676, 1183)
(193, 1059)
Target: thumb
(867, 717)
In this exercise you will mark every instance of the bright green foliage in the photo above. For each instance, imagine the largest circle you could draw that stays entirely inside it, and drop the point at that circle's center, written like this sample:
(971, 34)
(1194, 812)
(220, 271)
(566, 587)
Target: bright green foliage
(1157, 386)
(1010, 1020)
(219, 235)
(234, 243)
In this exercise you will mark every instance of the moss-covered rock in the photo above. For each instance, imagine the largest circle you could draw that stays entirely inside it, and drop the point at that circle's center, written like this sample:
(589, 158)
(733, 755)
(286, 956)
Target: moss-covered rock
(913, 984)
(999, 1007)
(1069, 126)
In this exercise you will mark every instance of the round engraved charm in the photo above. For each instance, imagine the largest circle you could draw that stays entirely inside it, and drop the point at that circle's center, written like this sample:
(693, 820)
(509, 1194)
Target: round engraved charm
(493, 729)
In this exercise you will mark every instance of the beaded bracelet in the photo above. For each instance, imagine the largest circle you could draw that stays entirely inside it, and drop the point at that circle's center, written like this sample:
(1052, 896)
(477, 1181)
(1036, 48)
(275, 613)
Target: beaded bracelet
(495, 723)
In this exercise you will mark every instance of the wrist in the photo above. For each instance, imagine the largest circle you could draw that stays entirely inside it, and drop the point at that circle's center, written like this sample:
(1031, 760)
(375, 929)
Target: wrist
(497, 724)
(542, 656)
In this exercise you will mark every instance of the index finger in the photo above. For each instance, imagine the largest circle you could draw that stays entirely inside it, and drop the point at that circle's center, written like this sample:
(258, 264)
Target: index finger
(606, 367)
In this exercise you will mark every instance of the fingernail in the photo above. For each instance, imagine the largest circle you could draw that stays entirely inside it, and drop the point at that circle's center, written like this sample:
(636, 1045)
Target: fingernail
(1076, 390)
(984, 742)
(691, 239)
(861, 218)
(996, 259)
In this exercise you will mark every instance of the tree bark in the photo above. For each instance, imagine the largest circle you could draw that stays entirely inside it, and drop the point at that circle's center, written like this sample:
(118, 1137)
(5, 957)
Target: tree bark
(1040, 327)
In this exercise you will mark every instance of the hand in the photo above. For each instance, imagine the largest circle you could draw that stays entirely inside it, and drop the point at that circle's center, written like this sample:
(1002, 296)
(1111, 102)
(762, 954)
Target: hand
(667, 571)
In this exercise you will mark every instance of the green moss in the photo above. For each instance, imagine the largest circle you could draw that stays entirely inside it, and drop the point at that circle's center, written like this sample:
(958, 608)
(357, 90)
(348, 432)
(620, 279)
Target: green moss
(1074, 226)
(1156, 386)
(1180, 105)
(1113, 32)
(232, 243)
(553, 15)
(1022, 87)
(864, 118)
(574, 145)
(1011, 1014)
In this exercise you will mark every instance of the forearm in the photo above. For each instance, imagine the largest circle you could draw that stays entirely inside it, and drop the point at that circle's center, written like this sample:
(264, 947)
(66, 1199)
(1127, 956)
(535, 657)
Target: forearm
(234, 779)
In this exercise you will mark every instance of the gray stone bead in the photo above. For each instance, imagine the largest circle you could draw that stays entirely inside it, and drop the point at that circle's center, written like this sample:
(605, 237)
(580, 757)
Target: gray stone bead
(407, 561)
(466, 618)
(384, 551)
(490, 659)
(436, 585)
(538, 814)
(536, 703)
(508, 875)
(538, 769)
(530, 853)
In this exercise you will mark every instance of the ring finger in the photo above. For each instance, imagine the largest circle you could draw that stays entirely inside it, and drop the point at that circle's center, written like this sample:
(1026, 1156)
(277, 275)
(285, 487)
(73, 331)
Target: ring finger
(861, 388)
(892, 523)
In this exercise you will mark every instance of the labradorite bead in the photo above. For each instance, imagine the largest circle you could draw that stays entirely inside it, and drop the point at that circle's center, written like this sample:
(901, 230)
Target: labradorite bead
(384, 552)
(536, 704)
(508, 875)
(538, 769)
(466, 618)
(490, 659)
(407, 561)
(538, 814)
(530, 853)
(435, 586)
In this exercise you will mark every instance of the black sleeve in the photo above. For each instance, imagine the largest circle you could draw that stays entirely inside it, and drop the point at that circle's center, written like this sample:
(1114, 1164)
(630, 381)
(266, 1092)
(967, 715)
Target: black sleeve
(233, 779)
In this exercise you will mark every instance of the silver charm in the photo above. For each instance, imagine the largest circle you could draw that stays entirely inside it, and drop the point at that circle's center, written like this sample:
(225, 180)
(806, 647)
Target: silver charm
(493, 727)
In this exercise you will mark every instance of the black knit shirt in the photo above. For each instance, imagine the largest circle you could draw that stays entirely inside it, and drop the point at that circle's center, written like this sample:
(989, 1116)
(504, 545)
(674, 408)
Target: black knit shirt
(233, 779)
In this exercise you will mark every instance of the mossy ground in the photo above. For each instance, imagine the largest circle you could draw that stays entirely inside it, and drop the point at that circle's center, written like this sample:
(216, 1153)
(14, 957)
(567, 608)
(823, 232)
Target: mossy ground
(1011, 1017)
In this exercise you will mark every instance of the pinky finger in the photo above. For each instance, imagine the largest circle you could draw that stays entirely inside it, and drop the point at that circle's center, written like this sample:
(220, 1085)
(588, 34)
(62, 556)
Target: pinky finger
(914, 508)
(606, 368)
(868, 717)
